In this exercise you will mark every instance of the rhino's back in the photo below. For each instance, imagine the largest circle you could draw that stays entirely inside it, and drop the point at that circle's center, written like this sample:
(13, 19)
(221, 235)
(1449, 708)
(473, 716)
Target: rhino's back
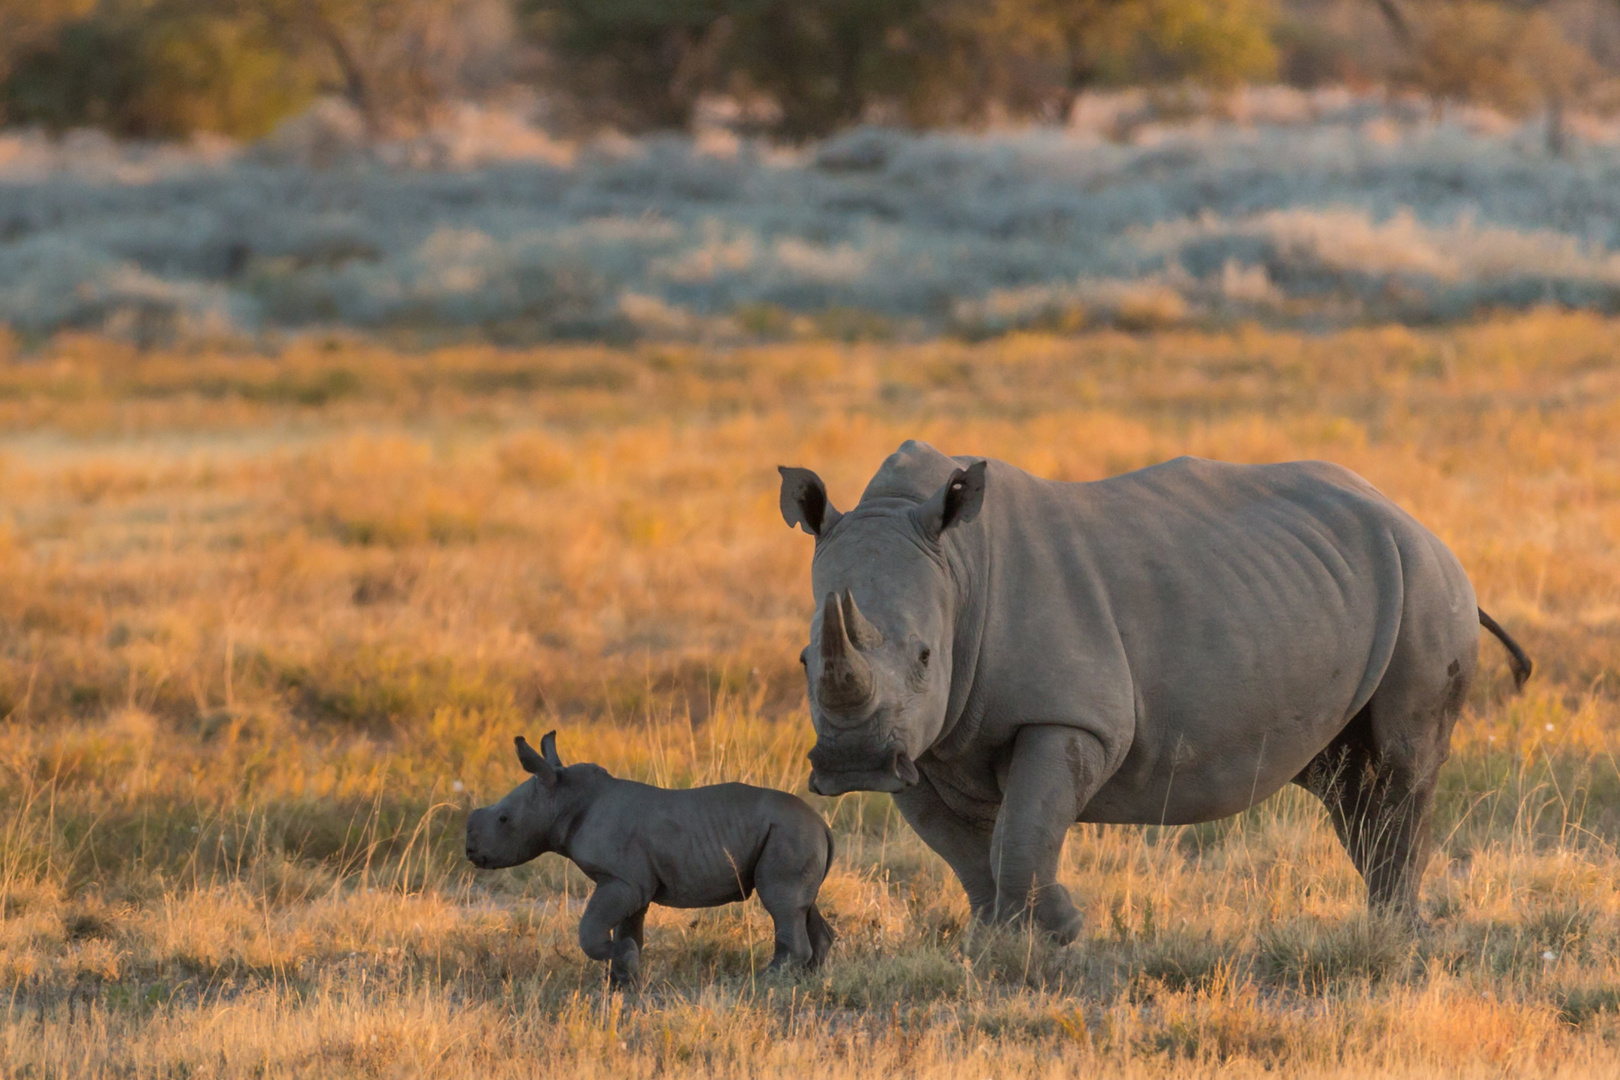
(1213, 623)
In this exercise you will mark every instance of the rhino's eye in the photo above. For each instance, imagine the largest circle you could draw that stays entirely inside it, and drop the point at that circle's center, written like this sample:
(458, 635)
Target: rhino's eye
(922, 656)
(502, 819)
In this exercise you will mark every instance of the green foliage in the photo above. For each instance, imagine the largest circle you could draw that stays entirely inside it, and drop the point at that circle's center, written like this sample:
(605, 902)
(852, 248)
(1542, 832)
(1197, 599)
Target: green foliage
(824, 64)
(1512, 59)
(820, 63)
(165, 68)
(157, 70)
(1080, 43)
(644, 62)
(799, 68)
(1218, 42)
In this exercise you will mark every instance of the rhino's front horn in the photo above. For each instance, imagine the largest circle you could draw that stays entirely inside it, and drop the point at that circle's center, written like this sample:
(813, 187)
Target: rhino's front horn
(846, 678)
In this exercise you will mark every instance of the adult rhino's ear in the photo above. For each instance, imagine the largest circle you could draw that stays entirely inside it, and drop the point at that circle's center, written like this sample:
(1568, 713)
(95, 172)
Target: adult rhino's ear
(804, 501)
(534, 763)
(957, 501)
(548, 750)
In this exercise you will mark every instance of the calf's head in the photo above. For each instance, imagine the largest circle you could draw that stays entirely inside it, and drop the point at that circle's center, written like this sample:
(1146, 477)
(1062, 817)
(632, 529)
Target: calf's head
(879, 659)
(521, 826)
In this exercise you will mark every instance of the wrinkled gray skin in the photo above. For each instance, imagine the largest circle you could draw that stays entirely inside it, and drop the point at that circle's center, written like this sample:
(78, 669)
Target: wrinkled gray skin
(1009, 655)
(643, 845)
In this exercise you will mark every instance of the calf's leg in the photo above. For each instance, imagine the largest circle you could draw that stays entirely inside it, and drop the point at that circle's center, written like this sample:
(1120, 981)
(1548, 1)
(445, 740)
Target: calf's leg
(821, 936)
(602, 929)
(633, 929)
(1053, 774)
(786, 879)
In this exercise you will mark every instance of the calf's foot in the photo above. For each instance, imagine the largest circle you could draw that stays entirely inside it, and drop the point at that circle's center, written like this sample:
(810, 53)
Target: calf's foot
(624, 970)
(821, 937)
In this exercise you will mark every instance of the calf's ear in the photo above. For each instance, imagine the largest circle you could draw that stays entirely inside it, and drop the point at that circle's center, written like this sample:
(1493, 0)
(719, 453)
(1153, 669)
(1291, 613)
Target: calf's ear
(957, 501)
(804, 501)
(548, 749)
(534, 763)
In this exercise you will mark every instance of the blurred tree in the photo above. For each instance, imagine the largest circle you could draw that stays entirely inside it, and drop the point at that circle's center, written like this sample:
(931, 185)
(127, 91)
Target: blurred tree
(167, 67)
(802, 68)
(1512, 57)
(828, 63)
(25, 23)
(394, 60)
(821, 62)
(1218, 43)
(639, 63)
(155, 68)
(1047, 52)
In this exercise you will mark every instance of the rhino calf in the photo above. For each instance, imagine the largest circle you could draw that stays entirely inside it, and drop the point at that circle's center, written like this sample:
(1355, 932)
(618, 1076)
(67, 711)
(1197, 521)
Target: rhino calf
(645, 845)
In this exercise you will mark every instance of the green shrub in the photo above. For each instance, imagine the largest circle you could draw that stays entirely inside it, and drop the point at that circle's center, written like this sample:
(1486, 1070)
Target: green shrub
(155, 71)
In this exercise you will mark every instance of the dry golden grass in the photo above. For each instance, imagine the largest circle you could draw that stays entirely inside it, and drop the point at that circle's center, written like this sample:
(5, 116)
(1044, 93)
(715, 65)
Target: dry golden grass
(267, 626)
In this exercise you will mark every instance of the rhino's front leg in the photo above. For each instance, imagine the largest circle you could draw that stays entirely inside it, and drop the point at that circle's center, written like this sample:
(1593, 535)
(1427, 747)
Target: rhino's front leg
(1053, 774)
(602, 931)
(963, 844)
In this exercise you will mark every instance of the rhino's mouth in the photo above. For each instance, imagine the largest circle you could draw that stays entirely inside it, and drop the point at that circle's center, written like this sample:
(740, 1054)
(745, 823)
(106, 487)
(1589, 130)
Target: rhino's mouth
(899, 774)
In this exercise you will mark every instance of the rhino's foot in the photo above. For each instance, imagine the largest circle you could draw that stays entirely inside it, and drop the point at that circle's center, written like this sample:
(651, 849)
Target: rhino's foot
(785, 962)
(1050, 911)
(1061, 920)
(1405, 917)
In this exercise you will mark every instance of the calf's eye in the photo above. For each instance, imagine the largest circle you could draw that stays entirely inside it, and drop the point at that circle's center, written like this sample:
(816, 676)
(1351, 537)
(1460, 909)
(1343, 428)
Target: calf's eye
(502, 819)
(923, 655)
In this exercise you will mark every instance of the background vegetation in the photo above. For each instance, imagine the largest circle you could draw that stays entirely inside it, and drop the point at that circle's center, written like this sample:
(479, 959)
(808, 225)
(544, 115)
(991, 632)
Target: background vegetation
(268, 624)
(795, 68)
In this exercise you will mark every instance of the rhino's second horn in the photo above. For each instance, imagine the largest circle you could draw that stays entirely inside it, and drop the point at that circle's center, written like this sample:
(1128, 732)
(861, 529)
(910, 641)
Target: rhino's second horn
(861, 631)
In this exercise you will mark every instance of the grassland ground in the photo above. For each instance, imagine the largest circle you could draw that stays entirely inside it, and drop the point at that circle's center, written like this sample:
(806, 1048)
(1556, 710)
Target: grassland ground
(269, 622)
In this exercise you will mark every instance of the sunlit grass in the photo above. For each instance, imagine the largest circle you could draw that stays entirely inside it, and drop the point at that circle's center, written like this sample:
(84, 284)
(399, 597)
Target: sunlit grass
(268, 625)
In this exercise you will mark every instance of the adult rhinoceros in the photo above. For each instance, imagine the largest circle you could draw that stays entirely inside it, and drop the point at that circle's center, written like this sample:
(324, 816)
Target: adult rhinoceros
(1008, 655)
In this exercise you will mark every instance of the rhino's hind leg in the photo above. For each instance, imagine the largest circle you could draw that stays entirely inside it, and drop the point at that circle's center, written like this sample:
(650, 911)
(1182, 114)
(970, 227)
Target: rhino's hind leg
(790, 914)
(1380, 811)
(786, 879)
(1378, 777)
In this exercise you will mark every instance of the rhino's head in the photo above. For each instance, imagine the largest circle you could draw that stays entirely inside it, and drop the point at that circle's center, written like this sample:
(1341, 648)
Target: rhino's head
(879, 659)
(521, 826)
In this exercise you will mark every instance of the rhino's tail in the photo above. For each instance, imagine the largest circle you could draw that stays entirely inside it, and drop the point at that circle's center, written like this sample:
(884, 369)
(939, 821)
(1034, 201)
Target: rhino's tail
(1517, 659)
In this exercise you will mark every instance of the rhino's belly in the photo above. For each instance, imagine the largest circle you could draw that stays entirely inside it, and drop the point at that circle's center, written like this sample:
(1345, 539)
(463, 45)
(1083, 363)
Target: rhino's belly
(1202, 775)
(700, 894)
